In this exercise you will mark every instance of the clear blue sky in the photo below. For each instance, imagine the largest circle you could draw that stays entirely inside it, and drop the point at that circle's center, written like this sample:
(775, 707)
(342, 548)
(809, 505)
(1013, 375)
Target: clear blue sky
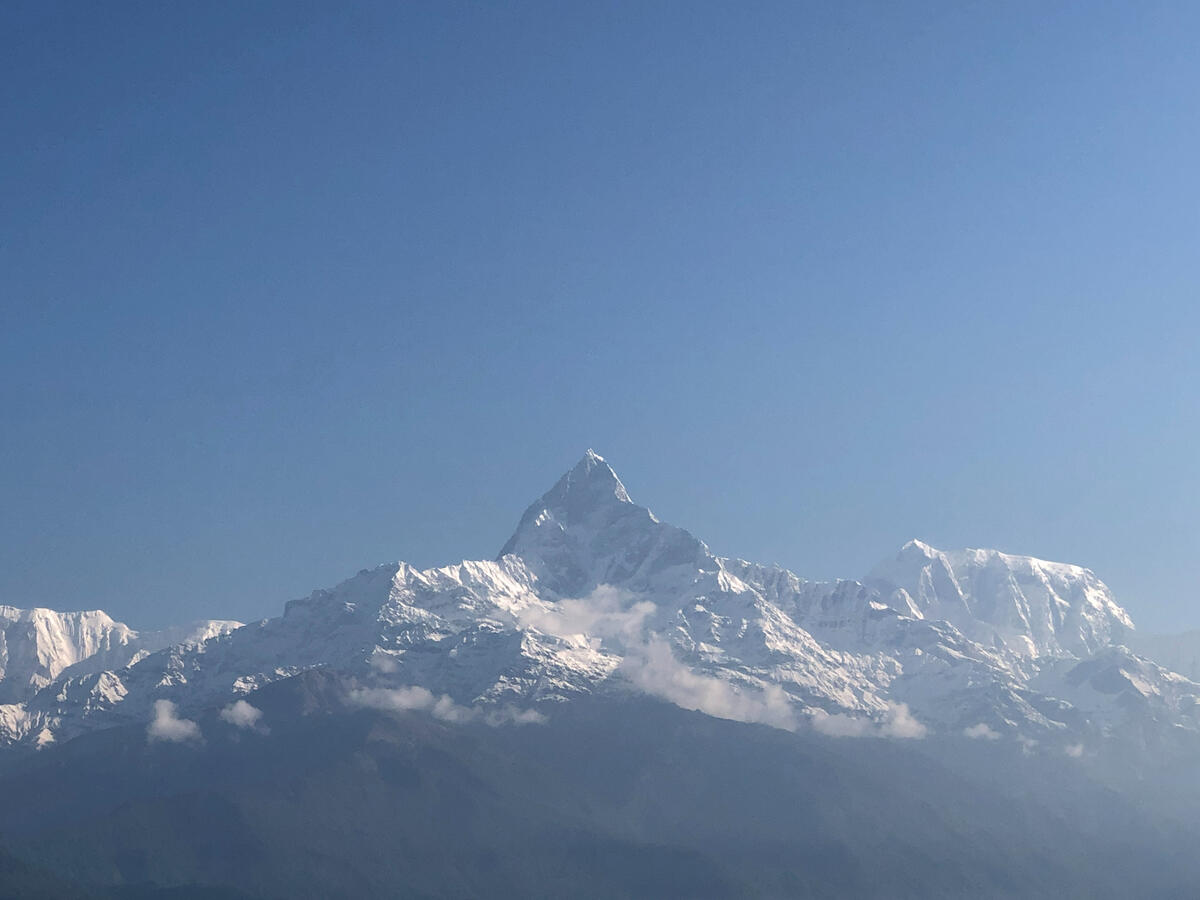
(289, 290)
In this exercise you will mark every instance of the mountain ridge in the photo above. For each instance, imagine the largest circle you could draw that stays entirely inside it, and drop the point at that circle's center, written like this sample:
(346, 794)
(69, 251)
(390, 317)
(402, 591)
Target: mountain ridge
(593, 594)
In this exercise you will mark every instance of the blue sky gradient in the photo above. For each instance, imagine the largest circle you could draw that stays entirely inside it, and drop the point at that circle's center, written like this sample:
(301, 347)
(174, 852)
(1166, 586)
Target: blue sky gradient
(293, 289)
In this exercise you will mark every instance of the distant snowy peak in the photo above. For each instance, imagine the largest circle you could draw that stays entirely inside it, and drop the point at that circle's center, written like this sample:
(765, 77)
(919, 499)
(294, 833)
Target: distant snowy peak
(586, 531)
(37, 646)
(589, 489)
(1029, 606)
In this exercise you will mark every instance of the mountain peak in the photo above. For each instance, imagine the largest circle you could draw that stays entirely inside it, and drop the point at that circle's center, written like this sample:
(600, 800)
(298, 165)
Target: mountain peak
(1032, 606)
(586, 531)
(596, 476)
(918, 547)
(589, 487)
(591, 484)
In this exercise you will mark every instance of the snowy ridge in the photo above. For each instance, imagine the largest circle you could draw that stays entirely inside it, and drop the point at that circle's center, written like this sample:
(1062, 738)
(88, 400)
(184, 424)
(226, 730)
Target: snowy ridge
(592, 593)
(38, 646)
(1030, 606)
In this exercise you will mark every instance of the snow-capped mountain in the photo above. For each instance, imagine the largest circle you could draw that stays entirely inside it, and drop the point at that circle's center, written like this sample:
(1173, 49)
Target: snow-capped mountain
(593, 594)
(1025, 605)
(37, 645)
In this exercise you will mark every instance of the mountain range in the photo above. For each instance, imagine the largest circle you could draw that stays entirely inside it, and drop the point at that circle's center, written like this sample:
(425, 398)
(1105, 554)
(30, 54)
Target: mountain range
(1007, 675)
(592, 593)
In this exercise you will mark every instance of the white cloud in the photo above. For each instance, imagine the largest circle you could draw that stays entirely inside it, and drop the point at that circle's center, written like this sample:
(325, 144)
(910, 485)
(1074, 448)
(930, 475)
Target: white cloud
(511, 715)
(394, 699)
(384, 663)
(898, 723)
(241, 714)
(841, 725)
(168, 727)
(448, 711)
(607, 612)
(981, 732)
(416, 698)
(611, 614)
(1075, 751)
(652, 668)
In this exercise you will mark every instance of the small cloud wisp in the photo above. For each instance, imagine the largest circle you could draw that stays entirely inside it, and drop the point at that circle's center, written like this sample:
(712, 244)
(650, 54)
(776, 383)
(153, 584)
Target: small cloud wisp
(898, 723)
(241, 714)
(167, 726)
(442, 707)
